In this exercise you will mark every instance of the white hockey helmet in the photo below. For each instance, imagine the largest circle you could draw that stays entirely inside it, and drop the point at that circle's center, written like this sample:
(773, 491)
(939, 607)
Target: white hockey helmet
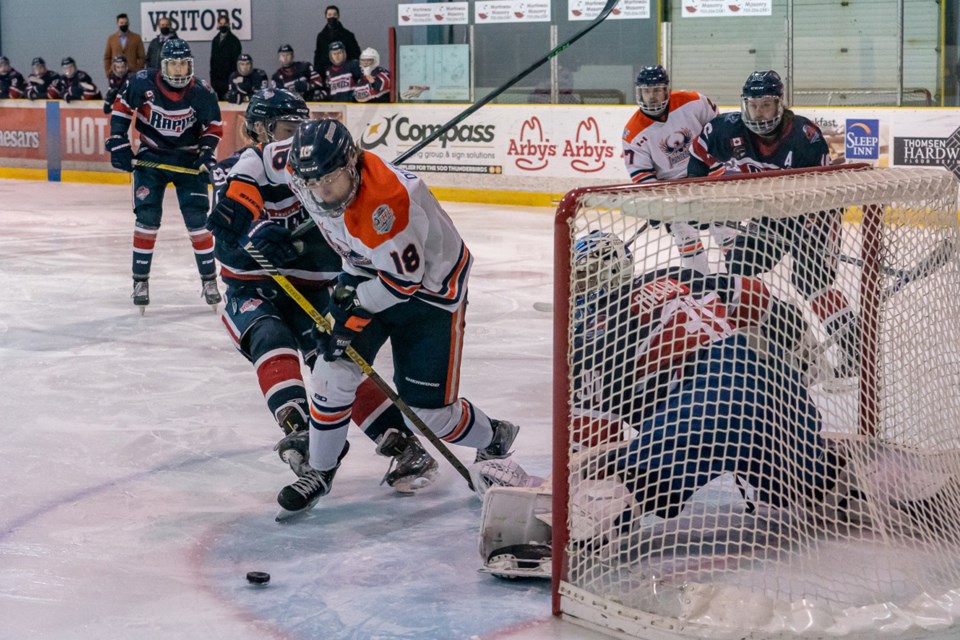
(602, 263)
(369, 54)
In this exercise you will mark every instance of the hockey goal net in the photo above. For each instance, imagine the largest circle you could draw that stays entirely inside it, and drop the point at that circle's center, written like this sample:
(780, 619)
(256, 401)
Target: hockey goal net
(769, 446)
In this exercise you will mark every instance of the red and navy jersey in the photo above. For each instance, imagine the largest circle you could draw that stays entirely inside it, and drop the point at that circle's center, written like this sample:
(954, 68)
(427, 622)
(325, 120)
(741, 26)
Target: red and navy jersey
(300, 78)
(341, 79)
(37, 86)
(242, 87)
(726, 146)
(116, 85)
(79, 87)
(11, 84)
(373, 88)
(168, 120)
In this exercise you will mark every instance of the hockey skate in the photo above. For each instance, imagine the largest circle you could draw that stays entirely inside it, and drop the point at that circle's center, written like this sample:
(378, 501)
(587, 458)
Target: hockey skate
(504, 433)
(294, 447)
(141, 294)
(411, 467)
(210, 293)
(303, 494)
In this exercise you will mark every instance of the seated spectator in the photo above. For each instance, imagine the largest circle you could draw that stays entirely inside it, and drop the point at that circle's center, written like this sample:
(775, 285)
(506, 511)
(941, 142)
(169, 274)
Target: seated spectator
(38, 82)
(117, 79)
(11, 80)
(246, 80)
(73, 84)
(298, 77)
(374, 84)
(342, 74)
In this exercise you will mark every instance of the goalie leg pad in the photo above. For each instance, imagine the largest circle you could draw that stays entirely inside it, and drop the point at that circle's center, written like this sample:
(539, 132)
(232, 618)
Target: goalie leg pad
(515, 521)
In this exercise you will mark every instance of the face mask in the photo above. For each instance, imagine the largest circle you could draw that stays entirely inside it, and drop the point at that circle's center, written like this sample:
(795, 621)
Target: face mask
(124, 27)
(333, 22)
(223, 29)
(164, 31)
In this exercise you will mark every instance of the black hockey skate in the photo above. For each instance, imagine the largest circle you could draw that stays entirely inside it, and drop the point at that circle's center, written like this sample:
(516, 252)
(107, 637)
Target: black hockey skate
(141, 294)
(411, 467)
(504, 433)
(210, 293)
(303, 494)
(294, 447)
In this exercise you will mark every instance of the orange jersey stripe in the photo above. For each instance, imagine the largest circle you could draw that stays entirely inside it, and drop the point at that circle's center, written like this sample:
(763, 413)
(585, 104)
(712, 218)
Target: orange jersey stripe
(247, 195)
(390, 198)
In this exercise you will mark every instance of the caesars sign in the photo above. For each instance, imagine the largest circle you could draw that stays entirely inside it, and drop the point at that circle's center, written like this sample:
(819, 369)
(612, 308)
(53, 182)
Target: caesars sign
(197, 19)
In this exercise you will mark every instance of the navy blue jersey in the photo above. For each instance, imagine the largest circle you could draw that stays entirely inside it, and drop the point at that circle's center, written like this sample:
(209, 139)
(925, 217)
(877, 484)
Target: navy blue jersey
(240, 88)
(11, 84)
(37, 86)
(341, 79)
(115, 85)
(80, 87)
(301, 78)
(374, 87)
(168, 121)
(726, 146)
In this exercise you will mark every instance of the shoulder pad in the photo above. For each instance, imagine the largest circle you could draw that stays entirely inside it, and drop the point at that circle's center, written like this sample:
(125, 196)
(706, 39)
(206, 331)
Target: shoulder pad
(143, 74)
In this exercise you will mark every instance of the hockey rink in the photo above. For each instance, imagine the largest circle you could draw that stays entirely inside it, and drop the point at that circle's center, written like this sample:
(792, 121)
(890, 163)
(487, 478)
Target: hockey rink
(138, 484)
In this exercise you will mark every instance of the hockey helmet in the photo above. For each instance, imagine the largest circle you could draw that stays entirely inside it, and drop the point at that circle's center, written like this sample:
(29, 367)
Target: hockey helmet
(269, 106)
(119, 65)
(244, 64)
(602, 263)
(173, 51)
(4, 64)
(761, 102)
(69, 67)
(285, 55)
(39, 65)
(371, 57)
(653, 78)
(323, 160)
(337, 52)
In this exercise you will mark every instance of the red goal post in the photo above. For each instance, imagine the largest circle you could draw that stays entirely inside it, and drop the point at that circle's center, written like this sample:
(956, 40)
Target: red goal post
(895, 260)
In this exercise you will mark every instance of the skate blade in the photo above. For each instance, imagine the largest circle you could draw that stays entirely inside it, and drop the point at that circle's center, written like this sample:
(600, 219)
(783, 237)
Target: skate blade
(143, 310)
(285, 515)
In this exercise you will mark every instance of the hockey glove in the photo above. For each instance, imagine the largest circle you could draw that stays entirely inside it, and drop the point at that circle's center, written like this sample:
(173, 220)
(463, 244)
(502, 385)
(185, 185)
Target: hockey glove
(121, 153)
(301, 86)
(229, 220)
(207, 161)
(347, 319)
(274, 241)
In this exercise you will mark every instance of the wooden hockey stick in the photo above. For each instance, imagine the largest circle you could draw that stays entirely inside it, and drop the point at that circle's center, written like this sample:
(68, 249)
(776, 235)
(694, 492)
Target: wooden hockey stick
(359, 360)
(168, 167)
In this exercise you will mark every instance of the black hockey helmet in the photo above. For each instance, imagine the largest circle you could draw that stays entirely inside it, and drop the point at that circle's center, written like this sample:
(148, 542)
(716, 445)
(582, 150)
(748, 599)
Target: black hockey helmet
(322, 152)
(268, 106)
(762, 84)
(38, 62)
(655, 76)
(176, 49)
(4, 62)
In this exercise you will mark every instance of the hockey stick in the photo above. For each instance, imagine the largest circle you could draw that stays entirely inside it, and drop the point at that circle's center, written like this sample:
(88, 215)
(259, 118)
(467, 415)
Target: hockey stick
(168, 167)
(358, 360)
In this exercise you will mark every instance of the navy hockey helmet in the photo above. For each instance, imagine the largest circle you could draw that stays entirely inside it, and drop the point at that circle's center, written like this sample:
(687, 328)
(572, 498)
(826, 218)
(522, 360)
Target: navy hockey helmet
(69, 67)
(38, 62)
(244, 64)
(173, 50)
(4, 64)
(763, 92)
(285, 54)
(602, 263)
(323, 161)
(269, 106)
(649, 78)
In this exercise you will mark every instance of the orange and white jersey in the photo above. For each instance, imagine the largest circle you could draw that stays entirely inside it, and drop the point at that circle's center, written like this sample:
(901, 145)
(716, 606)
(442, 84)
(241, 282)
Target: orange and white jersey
(396, 234)
(655, 150)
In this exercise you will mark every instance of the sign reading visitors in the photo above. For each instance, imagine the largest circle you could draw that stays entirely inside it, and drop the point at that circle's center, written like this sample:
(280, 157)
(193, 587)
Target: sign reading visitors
(197, 19)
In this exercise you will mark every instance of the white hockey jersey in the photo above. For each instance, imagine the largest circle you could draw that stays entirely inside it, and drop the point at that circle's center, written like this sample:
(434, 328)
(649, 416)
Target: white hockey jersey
(655, 150)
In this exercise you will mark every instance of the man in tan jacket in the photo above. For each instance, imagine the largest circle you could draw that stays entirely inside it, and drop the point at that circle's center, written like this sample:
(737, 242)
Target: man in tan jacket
(126, 43)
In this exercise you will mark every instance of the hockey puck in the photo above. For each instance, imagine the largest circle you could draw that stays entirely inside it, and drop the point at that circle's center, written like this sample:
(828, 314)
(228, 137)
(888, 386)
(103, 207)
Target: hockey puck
(258, 577)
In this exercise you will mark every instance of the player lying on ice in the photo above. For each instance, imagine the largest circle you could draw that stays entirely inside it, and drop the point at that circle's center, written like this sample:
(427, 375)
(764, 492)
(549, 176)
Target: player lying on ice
(699, 383)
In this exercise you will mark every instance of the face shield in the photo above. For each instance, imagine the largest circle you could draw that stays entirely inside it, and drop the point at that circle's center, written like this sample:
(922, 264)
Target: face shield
(328, 196)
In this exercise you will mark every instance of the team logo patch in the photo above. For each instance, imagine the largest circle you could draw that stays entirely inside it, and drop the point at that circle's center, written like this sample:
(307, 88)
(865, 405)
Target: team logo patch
(142, 193)
(148, 94)
(383, 219)
(737, 148)
(250, 305)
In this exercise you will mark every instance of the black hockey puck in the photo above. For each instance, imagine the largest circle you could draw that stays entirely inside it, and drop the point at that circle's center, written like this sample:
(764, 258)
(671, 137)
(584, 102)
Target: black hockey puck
(258, 577)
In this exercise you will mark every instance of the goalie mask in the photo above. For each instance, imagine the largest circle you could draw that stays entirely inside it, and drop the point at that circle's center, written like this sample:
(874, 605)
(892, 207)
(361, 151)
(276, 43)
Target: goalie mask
(323, 161)
(269, 107)
(761, 102)
(653, 90)
(602, 263)
(176, 63)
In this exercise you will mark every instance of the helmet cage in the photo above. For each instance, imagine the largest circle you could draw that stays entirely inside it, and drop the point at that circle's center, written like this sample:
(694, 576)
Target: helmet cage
(177, 82)
(602, 263)
(761, 126)
(304, 189)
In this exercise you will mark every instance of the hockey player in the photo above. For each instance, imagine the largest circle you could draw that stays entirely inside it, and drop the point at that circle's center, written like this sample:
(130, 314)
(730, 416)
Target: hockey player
(73, 84)
(178, 124)
(342, 75)
(298, 77)
(39, 82)
(656, 146)
(117, 81)
(265, 324)
(765, 136)
(405, 277)
(374, 83)
(246, 80)
(11, 80)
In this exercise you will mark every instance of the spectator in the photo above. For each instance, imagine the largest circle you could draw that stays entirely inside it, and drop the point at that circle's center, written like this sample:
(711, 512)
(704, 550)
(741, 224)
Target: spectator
(73, 84)
(374, 83)
(225, 50)
(11, 80)
(156, 45)
(38, 82)
(117, 81)
(124, 43)
(246, 80)
(342, 75)
(298, 77)
(333, 32)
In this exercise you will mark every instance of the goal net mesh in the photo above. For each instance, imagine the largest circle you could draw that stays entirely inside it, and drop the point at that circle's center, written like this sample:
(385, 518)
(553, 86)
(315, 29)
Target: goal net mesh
(757, 420)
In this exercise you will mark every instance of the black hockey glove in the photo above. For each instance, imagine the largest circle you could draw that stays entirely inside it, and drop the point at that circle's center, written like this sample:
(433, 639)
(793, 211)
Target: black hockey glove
(347, 319)
(274, 241)
(229, 220)
(121, 153)
(207, 161)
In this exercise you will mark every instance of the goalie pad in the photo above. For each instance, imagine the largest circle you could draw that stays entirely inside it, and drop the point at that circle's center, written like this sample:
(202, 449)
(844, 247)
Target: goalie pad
(500, 472)
(515, 532)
